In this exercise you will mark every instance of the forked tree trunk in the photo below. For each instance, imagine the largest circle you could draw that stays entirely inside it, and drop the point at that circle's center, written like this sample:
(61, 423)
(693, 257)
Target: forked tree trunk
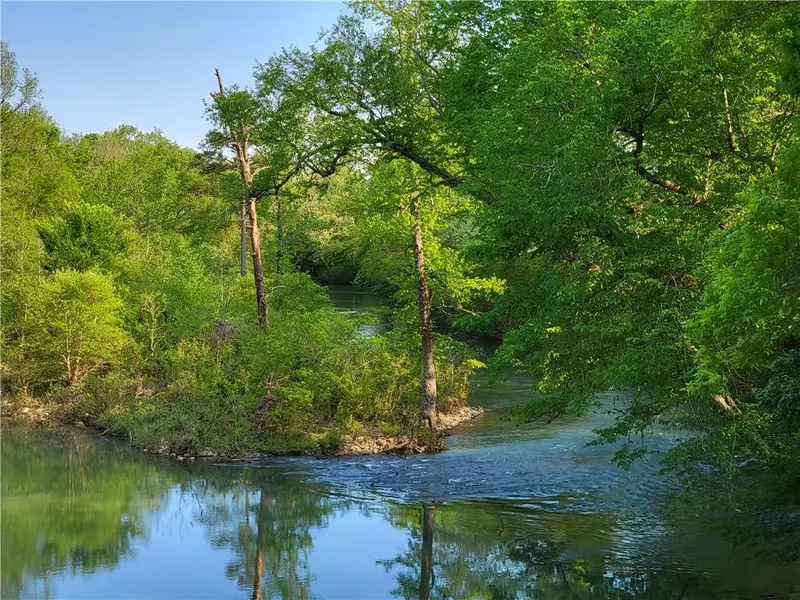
(426, 562)
(428, 391)
(238, 139)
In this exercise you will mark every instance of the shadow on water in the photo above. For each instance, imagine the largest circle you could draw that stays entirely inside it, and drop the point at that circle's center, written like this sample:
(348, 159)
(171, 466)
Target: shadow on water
(87, 518)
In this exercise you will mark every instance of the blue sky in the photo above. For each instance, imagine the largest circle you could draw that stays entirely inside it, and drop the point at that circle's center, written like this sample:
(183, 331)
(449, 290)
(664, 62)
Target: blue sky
(149, 64)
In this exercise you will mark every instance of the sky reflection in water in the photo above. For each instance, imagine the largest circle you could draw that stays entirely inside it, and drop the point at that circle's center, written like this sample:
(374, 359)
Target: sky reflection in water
(84, 518)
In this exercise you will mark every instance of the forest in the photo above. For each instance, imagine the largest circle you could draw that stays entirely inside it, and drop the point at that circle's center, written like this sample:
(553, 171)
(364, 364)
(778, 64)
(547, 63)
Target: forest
(608, 191)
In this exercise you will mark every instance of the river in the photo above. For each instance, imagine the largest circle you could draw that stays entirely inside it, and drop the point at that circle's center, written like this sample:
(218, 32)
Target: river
(506, 512)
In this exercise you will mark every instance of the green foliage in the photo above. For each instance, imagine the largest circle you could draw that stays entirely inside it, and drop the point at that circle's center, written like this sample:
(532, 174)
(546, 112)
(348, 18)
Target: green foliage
(237, 388)
(74, 326)
(781, 395)
(150, 180)
(380, 238)
(17, 90)
(86, 236)
(611, 188)
(751, 307)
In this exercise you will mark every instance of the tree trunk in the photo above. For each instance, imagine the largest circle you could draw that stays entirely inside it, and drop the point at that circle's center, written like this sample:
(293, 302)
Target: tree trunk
(243, 237)
(426, 565)
(278, 237)
(255, 238)
(428, 391)
(258, 268)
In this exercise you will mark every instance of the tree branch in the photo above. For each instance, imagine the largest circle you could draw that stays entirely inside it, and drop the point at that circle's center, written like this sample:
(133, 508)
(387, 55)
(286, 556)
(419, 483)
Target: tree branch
(447, 178)
(667, 184)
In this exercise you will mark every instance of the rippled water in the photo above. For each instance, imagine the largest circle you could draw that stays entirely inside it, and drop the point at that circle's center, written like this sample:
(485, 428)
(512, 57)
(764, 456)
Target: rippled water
(87, 518)
(492, 457)
(506, 513)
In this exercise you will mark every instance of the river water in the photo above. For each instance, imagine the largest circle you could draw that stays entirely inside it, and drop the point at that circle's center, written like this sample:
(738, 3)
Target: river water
(506, 512)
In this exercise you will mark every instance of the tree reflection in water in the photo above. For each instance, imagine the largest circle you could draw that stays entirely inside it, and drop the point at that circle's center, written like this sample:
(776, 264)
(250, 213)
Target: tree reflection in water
(267, 520)
(70, 503)
(73, 505)
(471, 550)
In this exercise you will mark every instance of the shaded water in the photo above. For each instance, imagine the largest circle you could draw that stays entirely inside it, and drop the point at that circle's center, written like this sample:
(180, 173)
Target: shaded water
(506, 513)
(355, 301)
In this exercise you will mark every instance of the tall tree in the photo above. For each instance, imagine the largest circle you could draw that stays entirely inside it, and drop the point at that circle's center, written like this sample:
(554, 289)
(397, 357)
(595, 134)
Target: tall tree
(235, 112)
(617, 146)
(379, 88)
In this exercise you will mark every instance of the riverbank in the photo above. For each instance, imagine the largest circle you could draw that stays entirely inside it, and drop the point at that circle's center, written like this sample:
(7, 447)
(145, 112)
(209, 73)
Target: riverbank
(324, 442)
(408, 443)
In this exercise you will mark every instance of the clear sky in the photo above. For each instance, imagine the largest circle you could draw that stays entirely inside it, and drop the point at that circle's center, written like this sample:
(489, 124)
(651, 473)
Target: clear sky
(149, 64)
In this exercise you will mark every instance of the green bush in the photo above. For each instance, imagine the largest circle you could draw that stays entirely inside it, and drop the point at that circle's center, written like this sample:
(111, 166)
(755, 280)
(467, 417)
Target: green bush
(86, 236)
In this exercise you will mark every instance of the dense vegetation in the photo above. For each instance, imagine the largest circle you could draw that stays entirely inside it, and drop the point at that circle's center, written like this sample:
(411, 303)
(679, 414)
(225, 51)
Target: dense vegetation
(611, 188)
(123, 305)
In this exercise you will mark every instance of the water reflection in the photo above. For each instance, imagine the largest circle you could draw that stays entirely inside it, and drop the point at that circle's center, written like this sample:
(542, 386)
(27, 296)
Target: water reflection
(88, 519)
(266, 519)
(468, 552)
(69, 504)
(359, 302)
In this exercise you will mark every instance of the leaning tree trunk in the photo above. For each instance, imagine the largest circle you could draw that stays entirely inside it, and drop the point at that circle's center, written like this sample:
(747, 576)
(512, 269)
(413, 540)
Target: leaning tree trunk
(426, 566)
(428, 391)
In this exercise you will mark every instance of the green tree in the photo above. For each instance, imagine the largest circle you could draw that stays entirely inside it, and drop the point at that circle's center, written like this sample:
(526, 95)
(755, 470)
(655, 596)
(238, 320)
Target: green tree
(150, 180)
(235, 115)
(18, 91)
(375, 79)
(611, 144)
(76, 319)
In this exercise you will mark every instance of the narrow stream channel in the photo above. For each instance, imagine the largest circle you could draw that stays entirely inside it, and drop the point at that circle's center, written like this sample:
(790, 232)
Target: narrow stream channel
(506, 512)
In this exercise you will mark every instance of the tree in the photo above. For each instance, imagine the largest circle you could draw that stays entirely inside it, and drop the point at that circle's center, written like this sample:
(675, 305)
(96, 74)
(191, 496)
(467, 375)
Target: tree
(18, 91)
(405, 235)
(238, 117)
(379, 90)
(275, 140)
(159, 186)
(234, 114)
(612, 145)
(76, 319)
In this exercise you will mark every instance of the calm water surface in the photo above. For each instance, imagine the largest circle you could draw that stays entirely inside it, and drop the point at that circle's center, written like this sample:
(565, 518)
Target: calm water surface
(506, 513)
